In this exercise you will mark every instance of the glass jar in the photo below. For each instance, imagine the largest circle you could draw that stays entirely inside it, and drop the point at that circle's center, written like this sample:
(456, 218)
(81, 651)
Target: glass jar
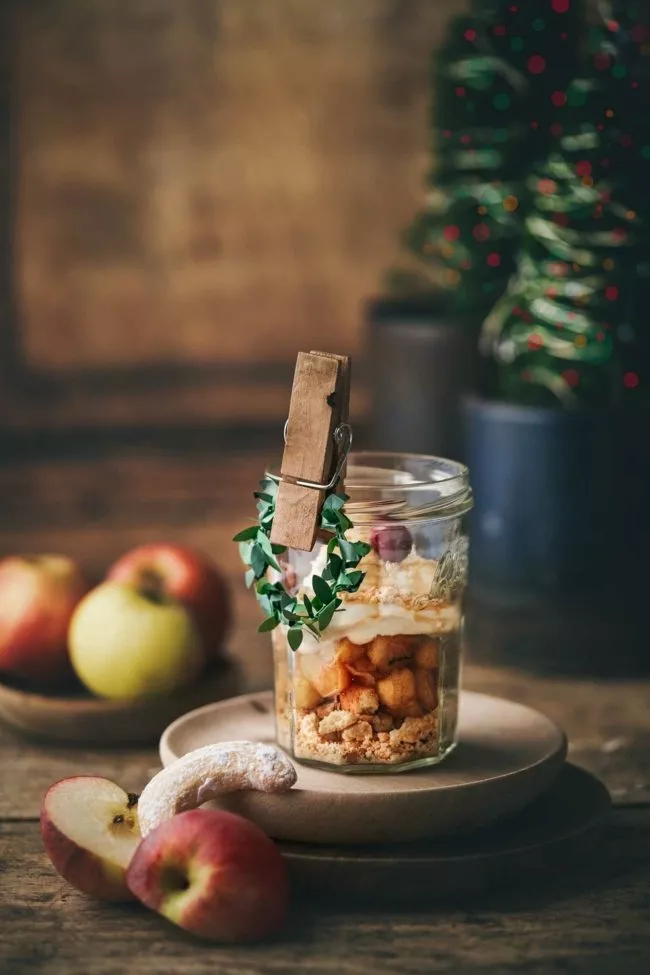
(379, 690)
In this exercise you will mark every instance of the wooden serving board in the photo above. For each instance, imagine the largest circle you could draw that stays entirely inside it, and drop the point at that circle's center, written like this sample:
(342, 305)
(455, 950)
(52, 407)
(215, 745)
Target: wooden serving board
(541, 843)
(84, 720)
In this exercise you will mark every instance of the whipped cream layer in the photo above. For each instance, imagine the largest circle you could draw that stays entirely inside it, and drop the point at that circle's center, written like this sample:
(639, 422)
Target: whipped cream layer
(394, 599)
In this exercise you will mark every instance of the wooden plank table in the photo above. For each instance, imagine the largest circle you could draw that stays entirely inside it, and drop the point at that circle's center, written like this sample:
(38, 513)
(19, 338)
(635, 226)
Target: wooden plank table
(594, 921)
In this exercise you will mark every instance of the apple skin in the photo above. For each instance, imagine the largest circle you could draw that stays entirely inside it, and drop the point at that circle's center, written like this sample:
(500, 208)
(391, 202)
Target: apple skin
(38, 596)
(214, 874)
(188, 576)
(127, 644)
(71, 814)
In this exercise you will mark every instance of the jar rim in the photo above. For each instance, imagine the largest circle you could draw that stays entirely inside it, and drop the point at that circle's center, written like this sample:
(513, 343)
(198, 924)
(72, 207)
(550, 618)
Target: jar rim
(459, 470)
(404, 485)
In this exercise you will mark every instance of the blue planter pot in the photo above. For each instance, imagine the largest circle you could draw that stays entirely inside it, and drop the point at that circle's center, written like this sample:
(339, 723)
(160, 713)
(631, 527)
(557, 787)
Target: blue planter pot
(561, 504)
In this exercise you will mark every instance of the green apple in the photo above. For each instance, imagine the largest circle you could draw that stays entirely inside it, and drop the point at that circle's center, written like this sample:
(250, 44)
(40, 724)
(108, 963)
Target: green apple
(128, 643)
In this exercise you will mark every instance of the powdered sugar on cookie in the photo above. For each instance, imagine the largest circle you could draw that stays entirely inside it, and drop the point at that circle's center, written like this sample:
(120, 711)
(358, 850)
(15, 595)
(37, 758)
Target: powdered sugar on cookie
(211, 771)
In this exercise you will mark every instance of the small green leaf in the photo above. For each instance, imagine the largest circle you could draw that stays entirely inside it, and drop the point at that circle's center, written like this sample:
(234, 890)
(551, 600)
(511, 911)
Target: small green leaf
(247, 534)
(265, 544)
(322, 590)
(333, 503)
(335, 564)
(258, 561)
(312, 626)
(308, 605)
(292, 617)
(269, 624)
(348, 551)
(261, 496)
(278, 549)
(326, 614)
(344, 522)
(287, 601)
(294, 638)
(355, 578)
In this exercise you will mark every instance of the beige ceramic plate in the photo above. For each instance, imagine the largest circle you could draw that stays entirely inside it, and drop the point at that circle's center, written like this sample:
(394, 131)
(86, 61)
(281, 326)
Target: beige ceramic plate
(506, 757)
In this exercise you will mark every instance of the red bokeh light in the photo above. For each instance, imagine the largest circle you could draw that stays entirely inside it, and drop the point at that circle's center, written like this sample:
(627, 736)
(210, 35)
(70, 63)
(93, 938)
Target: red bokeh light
(452, 232)
(536, 64)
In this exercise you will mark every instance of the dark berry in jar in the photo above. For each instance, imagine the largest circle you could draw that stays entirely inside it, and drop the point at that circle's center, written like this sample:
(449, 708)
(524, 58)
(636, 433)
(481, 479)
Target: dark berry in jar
(392, 543)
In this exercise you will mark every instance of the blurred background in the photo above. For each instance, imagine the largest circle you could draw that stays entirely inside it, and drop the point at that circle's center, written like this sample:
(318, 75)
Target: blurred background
(191, 193)
(194, 193)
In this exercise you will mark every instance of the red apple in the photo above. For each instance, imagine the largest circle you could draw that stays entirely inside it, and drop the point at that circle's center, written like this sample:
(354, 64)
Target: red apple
(185, 575)
(214, 874)
(37, 598)
(90, 831)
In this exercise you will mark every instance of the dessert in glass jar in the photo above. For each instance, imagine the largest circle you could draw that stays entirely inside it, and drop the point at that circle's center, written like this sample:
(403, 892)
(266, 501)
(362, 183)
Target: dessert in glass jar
(378, 691)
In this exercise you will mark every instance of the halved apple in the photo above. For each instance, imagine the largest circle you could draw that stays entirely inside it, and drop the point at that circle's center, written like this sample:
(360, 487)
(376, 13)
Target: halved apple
(213, 873)
(90, 831)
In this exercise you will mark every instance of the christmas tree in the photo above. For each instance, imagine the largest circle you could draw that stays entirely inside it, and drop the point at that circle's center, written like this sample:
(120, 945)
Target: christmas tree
(568, 329)
(494, 78)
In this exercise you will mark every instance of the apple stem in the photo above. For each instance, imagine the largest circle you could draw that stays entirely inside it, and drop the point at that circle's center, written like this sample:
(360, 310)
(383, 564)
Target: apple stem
(152, 586)
(132, 799)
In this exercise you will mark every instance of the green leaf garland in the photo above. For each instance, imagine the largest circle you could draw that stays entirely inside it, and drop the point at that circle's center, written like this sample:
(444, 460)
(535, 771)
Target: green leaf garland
(340, 575)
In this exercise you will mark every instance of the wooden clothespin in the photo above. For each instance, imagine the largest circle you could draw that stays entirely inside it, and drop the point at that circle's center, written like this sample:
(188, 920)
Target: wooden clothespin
(317, 440)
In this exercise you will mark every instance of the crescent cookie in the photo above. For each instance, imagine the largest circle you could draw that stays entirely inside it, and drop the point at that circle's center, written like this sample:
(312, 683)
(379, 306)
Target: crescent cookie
(208, 772)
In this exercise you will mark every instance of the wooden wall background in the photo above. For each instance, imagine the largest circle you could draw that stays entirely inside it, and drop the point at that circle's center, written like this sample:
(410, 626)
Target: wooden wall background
(195, 190)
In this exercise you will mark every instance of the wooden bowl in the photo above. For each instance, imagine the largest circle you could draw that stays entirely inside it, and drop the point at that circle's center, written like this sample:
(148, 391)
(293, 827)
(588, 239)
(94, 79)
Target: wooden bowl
(80, 719)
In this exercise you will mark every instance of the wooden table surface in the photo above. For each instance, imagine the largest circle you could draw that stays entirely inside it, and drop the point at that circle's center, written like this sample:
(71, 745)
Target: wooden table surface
(594, 921)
